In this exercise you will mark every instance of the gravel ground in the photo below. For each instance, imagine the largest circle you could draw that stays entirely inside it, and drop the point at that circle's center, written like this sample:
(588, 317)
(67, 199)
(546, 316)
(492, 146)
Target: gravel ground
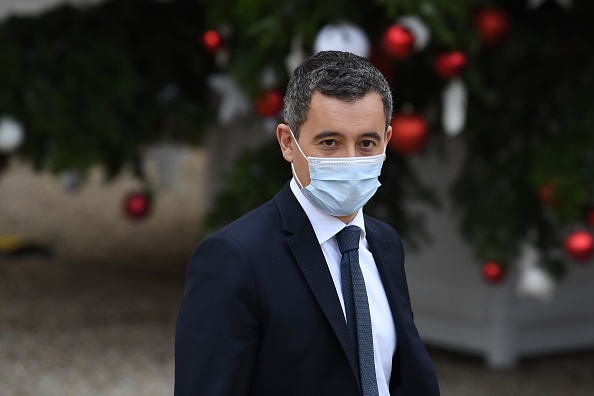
(98, 317)
(72, 328)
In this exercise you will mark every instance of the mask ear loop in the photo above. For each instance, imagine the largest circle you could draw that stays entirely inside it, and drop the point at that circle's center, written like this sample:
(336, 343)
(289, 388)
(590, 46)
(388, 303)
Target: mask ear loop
(385, 147)
(295, 176)
(304, 156)
(299, 147)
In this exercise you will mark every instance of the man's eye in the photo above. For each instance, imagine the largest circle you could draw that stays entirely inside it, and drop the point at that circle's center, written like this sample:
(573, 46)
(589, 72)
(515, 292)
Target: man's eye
(368, 143)
(329, 143)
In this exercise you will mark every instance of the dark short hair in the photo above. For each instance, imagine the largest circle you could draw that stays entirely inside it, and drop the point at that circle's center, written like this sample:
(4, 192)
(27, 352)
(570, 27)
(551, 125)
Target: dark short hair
(337, 74)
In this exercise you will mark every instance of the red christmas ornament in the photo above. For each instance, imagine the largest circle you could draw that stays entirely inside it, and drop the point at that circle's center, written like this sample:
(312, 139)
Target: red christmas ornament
(409, 133)
(450, 64)
(493, 272)
(492, 25)
(398, 41)
(579, 246)
(212, 41)
(269, 103)
(137, 205)
(381, 62)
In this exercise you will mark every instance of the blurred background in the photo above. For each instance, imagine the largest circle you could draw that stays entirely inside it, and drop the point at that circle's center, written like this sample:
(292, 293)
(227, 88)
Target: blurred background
(131, 129)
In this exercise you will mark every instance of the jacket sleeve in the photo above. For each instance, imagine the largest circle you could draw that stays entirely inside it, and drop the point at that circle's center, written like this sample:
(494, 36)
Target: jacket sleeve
(217, 330)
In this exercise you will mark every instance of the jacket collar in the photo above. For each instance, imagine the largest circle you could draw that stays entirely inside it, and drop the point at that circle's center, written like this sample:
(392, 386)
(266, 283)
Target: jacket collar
(304, 245)
(307, 252)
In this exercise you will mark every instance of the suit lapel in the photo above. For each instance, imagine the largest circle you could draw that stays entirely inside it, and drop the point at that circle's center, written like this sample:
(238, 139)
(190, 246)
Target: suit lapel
(308, 255)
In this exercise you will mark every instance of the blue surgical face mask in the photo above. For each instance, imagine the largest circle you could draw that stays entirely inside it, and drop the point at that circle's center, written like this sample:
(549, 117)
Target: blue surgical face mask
(341, 186)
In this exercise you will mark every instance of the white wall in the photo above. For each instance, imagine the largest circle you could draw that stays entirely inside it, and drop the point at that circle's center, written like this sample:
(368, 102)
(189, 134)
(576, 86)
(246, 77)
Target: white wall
(456, 309)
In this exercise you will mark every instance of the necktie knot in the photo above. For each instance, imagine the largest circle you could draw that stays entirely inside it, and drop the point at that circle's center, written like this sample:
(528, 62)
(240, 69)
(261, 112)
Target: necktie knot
(348, 238)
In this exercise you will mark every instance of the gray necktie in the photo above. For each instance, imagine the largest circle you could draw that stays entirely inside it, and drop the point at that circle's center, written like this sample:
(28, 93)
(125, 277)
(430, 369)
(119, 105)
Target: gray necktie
(357, 307)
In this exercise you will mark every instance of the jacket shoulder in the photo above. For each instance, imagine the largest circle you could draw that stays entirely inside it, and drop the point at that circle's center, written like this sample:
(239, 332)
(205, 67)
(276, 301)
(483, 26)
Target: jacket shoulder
(383, 228)
(258, 221)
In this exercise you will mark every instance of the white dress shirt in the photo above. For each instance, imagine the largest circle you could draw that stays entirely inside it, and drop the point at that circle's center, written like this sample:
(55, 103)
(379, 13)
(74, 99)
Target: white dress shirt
(384, 334)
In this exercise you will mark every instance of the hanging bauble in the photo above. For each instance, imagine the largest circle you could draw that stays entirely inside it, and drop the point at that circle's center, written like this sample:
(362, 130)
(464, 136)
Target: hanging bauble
(492, 25)
(450, 64)
(234, 102)
(342, 36)
(493, 272)
(579, 246)
(533, 280)
(212, 41)
(296, 56)
(381, 61)
(11, 134)
(398, 41)
(533, 4)
(269, 103)
(454, 98)
(409, 133)
(419, 30)
(137, 205)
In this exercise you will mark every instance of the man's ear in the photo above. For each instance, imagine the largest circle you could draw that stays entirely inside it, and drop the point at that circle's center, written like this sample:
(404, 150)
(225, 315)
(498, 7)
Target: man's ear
(283, 135)
(388, 137)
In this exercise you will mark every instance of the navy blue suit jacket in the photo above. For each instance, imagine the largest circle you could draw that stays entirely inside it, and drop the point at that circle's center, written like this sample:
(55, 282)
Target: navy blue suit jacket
(261, 316)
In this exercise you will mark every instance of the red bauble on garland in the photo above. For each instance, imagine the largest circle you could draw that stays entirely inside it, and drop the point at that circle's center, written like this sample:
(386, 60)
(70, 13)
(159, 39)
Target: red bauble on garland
(579, 246)
(269, 103)
(212, 41)
(409, 133)
(398, 41)
(380, 60)
(137, 205)
(492, 25)
(450, 64)
(493, 272)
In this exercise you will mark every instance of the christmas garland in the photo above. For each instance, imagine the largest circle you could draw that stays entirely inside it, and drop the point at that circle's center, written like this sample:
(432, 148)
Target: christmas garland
(510, 80)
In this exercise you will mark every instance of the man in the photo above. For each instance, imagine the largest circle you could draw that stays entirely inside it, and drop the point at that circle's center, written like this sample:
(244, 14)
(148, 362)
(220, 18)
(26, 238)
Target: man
(276, 303)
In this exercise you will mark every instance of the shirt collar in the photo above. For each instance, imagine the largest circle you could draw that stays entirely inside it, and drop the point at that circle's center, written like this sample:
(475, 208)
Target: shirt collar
(324, 225)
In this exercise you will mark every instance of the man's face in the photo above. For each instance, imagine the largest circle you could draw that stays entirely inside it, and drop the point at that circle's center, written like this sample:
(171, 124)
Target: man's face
(335, 128)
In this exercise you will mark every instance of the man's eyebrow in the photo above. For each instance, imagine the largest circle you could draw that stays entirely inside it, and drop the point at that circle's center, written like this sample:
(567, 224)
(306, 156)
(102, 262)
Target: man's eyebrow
(374, 135)
(327, 134)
